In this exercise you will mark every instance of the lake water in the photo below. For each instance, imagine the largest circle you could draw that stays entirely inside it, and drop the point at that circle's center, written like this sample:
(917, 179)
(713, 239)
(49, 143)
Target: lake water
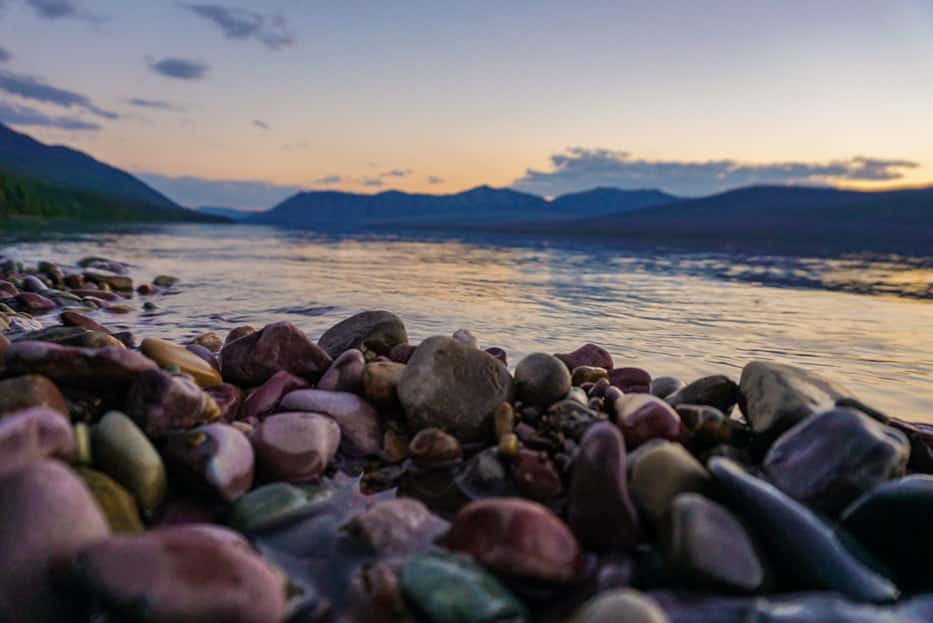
(867, 322)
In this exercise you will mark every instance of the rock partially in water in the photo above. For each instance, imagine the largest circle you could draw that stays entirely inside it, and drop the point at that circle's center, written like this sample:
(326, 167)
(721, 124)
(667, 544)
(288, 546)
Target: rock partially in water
(829, 459)
(345, 374)
(664, 386)
(215, 459)
(119, 282)
(620, 606)
(160, 402)
(46, 516)
(455, 388)
(123, 452)
(166, 354)
(517, 537)
(920, 436)
(662, 471)
(28, 391)
(374, 331)
(587, 355)
(251, 360)
(295, 446)
(31, 435)
(360, 427)
(108, 369)
(541, 379)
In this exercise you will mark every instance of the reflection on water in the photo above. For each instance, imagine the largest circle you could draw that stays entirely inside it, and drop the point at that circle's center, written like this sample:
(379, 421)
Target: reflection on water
(685, 314)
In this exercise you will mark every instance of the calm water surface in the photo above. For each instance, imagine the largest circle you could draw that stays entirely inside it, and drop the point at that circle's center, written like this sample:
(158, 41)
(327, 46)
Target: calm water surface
(673, 313)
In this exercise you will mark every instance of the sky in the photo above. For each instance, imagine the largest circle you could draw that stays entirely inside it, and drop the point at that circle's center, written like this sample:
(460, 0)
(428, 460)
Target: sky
(243, 104)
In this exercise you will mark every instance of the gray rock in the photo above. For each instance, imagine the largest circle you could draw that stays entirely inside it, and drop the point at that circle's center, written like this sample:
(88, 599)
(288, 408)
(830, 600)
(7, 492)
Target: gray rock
(377, 331)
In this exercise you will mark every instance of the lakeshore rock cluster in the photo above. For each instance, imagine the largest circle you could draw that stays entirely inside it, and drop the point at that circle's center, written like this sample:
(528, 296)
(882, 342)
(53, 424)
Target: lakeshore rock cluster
(263, 476)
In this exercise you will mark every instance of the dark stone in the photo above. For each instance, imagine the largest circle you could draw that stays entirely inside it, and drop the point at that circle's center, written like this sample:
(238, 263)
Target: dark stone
(664, 386)
(587, 355)
(499, 354)
(712, 391)
(374, 331)
(159, 402)
(535, 476)
(643, 417)
(253, 359)
(35, 304)
(74, 319)
(920, 436)
(345, 374)
(264, 399)
(541, 379)
(630, 380)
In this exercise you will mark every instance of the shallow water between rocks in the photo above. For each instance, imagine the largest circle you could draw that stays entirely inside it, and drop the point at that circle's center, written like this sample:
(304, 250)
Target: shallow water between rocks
(867, 322)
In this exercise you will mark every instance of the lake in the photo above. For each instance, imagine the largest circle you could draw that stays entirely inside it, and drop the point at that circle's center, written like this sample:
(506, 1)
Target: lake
(864, 321)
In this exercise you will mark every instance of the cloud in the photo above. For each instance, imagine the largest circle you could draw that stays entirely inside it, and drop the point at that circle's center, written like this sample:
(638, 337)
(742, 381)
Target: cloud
(4, 55)
(140, 102)
(270, 30)
(433, 179)
(328, 180)
(179, 68)
(396, 173)
(579, 168)
(13, 114)
(61, 9)
(371, 181)
(197, 191)
(262, 125)
(31, 88)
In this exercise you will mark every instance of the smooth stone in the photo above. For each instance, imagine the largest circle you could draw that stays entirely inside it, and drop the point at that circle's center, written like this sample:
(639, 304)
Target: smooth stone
(831, 458)
(251, 360)
(535, 476)
(46, 516)
(160, 402)
(451, 589)
(180, 574)
(643, 417)
(485, 475)
(892, 522)
(587, 355)
(449, 386)
(380, 381)
(123, 452)
(295, 446)
(360, 428)
(345, 374)
(238, 332)
(517, 537)
(228, 398)
(264, 505)
(432, 446)
(466, 337)
(215, 458)
(8, 290)
(587, 374)
(31, 390)
(265, 398)
(375, 331)
(72, 336)
(114, 501)
(401, 353)
(101, 295)
(210, 340)
(499, 354)
(805, 550)
(577, 395)
(31, 283)
(166, 353)
(630, 380)
(120, 283)
(109, 369)
(599, 489)
(775, 396)
(31, 435)
(35, 304)
(710, 427)
(706, 546)
(620, 606)
(204, 354)
(541, 379)
(165, 281)
(399, 527)
(662, 472)
(713, 391)
(147, 289)
(103, 263)
(920, 436)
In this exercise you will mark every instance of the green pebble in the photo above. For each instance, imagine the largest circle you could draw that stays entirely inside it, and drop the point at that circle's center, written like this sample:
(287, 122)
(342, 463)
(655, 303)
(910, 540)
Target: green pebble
(264, 505)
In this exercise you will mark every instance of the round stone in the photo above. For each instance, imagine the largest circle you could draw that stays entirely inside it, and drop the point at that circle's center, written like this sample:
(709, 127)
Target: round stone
(661, 472)
(295, 446)
(431, 446)
(620, 606)
(541, 379)
(123, 452)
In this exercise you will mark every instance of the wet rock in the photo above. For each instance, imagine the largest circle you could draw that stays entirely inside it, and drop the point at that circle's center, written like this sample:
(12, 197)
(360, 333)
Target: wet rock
(806, 551)
(253, 359)
(499, 354)
(31, 435)
(466, 337)
(264, 505)
(264, 399)
(399, 527)
(31, 283)
(706, 546)
(345, 374)
(109, 369)
(31, 390)
(630, 380)
(215, 458)
(598, 489)
(709, 427)
(35, 304)
(182, 574)
(210, 340)
(120, 283)
(8, 290)
(587, 374)
(517, 537)
(147, 289)
(165, 354)
(99, 295)
(829, 459)
(114, 501)
(920, 437)
(587, 355)
(432, 446)
(239, 332)
(360, 429)
(484, 476)
(449, 386)
(228, 398)
(535, 476)
(72, 336)
(401, 353)
(618, 606)
(892, 523)
(123, 452)
(165, 281)
(541, 379)
(776, 396)
(713, 391)
(159, 402)
(450, 589)
(374, 331)
(103, 263)
(380, 381)
(643, 417)
(295, 446)
(662, 472)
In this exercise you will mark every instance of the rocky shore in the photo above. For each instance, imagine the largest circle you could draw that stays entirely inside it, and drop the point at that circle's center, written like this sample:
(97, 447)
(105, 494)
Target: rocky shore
(264, 476)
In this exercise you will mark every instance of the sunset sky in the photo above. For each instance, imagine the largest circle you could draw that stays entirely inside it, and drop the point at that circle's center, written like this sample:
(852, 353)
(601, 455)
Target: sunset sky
(251, 101)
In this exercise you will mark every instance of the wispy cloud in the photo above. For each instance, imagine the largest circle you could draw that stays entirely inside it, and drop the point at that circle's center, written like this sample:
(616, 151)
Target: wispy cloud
(328, 180)
(141, 102)
(197, 191)
(29, 87)
(396, 173)
(259, 123)
(371, 181)
(13, 114)
(580, 168)
(235, 23)
(433, 179)
(179, 68)
(4, 55)
(62, 9)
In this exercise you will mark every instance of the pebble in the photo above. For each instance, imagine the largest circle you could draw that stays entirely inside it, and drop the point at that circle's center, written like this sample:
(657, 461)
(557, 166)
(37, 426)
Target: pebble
(117, 505)
(229, 399)
(466, 337)
(587, 355)
(124, 453)
(160, 402)
(630, 380)
(251, 360)
(35, 304)
(295, 446)
(107, 369)
(31, 390)
(345, 374)
(535, 476)
(661, 472)
(399, 527)
(210, 340)
(643, 417)
(31, 435)
(215, 459)
(265, 398)
(360, 426)
(717, 391)
(620, 606)
(587, 374)
(380, 381)
(432, 446)
(374, 331)
(166, 353)
(165, 281)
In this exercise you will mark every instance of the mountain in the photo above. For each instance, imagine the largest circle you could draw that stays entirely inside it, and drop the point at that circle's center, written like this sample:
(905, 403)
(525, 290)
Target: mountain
(59, 181)
(231, 213)
(483, 207)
